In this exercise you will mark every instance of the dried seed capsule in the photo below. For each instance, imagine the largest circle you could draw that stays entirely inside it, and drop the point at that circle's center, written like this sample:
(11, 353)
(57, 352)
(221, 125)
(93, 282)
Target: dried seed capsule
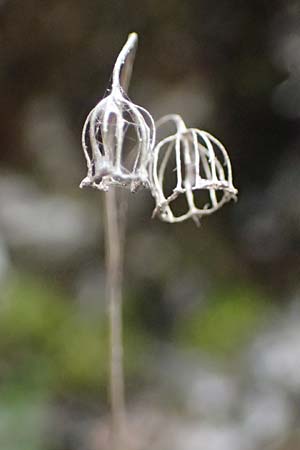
(199, 167)
(118, 136)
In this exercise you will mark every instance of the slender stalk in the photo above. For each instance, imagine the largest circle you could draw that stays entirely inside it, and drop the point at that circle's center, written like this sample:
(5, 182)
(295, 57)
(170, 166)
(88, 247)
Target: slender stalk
(114, 260)
(115, 209)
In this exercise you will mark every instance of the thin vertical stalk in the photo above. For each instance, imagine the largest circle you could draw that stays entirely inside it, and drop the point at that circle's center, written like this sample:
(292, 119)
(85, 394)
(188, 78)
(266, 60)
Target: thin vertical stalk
(116, 208)
(114, 260)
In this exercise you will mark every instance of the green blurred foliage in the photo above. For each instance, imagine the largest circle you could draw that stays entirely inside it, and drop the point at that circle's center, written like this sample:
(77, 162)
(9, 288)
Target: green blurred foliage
(229, 318)
(46, 341)
(22, 423)
(50, 348)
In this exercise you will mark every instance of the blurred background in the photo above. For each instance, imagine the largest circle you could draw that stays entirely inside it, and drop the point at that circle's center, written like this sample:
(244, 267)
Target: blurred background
(212, 314)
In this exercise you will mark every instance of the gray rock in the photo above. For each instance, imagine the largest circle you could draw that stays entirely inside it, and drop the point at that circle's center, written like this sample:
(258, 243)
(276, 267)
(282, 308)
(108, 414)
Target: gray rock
(4, 260)
(211, 395)
(202, 436)
(267, 417)
(44, 228)
(275, 355)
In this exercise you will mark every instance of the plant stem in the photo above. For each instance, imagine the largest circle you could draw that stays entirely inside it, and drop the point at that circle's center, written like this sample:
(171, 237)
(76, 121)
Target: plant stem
(114, 261)
(115, 208)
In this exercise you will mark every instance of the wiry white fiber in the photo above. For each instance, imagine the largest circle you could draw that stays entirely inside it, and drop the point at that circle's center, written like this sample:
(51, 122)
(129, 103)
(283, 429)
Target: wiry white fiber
(105, 130)
(201, 163)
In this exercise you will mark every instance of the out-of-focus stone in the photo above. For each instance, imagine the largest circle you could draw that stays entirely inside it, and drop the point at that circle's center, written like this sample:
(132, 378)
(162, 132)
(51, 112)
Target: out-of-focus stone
(211, 395)
(275, 356)
(4, 259)
(44, 228)
(203, 436)
(267, 417)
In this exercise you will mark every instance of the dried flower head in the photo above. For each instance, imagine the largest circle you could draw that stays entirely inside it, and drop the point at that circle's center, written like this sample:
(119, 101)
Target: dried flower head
(200, 169)
(118, 136)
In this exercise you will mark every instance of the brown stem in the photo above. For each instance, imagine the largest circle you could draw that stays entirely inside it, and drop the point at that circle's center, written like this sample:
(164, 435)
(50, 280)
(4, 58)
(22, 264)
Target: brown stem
(114, 260)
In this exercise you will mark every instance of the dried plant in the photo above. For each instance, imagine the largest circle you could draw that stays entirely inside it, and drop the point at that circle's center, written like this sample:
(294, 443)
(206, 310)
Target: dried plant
(118, 141)
(107, 127)
(200, 163)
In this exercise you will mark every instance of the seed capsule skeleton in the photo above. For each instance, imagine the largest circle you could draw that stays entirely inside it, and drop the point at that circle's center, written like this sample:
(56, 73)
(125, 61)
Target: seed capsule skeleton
(118, 141)
(200, 164)
(118, 136)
